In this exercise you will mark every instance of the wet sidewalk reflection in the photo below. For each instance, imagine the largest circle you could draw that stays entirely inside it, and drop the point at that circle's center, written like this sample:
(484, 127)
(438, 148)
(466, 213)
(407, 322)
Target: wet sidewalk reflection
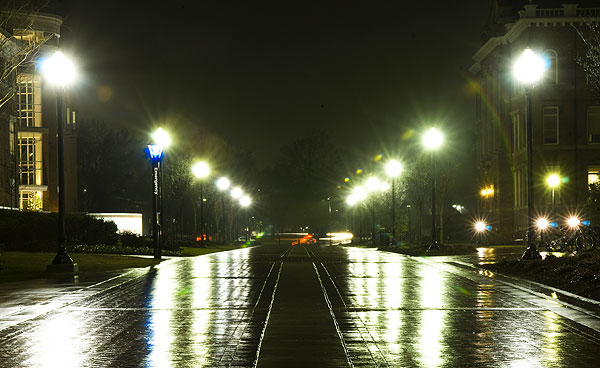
(242, 308)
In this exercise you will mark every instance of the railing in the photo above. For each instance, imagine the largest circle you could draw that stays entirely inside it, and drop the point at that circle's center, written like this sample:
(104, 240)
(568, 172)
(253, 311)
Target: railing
(550, 13)
(588, 13)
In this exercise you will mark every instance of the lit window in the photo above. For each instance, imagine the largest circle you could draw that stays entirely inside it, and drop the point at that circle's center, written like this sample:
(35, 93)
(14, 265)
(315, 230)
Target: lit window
(29, 104)
(551, 74)
(593, 174)
(593, 123)
(30, 200)
(550, 125)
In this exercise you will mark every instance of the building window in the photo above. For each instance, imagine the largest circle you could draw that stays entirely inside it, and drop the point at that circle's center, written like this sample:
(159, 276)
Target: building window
(30, 200)
(593, 123)
(551, 75)
(550, 129)
(27, 161)
(29, 104)
(593, 174)
(520, 188)
(518, 133)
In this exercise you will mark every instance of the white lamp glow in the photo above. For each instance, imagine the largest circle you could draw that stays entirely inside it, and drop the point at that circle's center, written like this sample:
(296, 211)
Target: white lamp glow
(529, 67)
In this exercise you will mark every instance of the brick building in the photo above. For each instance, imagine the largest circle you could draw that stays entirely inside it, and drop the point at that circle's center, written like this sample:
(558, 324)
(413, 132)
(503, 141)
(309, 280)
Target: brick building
(565, 112)
(28, 124)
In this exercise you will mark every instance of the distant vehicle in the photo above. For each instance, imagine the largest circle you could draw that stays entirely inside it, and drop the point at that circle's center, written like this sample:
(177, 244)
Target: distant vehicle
(253, 240)
(307, 239)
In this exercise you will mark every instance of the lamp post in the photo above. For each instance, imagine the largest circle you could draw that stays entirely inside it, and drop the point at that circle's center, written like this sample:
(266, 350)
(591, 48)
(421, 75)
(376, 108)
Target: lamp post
(553, 181)
(372, 184)
(223, 184)
(528, 69)
(393, 168)
(245, 202)
(358, 195)
(201, 170)
(161, 140)
(432, 140)
(236, 193)
(59, 71)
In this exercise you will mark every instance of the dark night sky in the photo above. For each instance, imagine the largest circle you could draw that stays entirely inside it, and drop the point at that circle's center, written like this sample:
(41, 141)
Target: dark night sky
(257, 72)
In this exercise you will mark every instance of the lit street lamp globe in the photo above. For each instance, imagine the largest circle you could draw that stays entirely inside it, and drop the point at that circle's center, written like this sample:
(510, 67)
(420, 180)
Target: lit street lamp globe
(236, 193)
(553, 181)
(245, 201)
(223, 183)
(360, 193)
(433, 139)
(393, 168)
(58, 69)
(351, 200)
(201, 170)
(161, 138)
(372, 184)
(529, 67)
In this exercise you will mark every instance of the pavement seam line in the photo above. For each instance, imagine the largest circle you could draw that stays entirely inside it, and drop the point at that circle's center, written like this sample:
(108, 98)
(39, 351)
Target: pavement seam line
(264, 329)
(251, 315)
(84, 297)
(444, 267)
(335, 323)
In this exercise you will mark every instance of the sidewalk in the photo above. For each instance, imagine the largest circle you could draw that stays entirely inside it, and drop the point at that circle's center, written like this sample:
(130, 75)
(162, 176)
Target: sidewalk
(21, 301)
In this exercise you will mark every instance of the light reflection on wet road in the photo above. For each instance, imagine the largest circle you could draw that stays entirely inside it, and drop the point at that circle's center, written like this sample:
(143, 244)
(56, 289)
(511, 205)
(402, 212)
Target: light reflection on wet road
(367, 308)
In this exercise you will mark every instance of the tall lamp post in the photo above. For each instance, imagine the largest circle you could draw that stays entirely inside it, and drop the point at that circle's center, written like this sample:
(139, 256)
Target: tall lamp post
(223, 184)
(529, 69)
(59, 71)
(553, 181)
(393, 168)
(432, 140)
(201, 170)
(161, 140)
(372, 184)
(245, 202)
(236, 193)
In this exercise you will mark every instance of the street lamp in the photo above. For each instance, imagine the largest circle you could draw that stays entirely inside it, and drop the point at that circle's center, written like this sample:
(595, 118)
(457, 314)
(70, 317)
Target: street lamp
(373, 184)
(201, 170)
(393, 168)
(432, 140)
(245, 202)
(358, 195)
(161, 140)
(553, 181)
(529, 69)
(60, 72)
(236, 193)
(223, 184)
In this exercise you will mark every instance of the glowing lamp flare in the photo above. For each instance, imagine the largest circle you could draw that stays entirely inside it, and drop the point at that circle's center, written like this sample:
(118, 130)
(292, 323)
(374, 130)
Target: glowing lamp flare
(372, 184)
(480, 226)
(573, 222)
(201, 170)
(529, 67)
(351, 200)
(223, 183)
(236, 193)
(542, 223)
(433, 139)
(59, 70)
(393, 168)
(360, 193)
(161, 138)
(553, 180)
(245, 201)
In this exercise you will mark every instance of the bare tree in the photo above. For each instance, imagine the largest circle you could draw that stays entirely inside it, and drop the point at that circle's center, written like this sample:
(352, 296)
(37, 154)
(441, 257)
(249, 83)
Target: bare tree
(590, 62)
(19, 43)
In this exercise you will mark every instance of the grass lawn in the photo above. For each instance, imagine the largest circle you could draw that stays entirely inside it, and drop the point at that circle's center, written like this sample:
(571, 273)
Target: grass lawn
(22, 266)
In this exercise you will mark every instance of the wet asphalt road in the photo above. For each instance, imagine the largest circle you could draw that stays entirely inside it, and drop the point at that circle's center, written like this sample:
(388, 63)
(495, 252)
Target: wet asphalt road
(303, 306)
